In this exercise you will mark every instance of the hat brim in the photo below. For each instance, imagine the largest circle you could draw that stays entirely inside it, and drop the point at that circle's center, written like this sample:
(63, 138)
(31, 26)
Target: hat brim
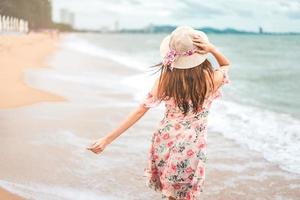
(184, 62)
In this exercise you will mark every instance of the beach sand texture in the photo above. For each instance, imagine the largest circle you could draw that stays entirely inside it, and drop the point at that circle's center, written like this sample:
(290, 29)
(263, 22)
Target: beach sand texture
(17, 54)
(43, 138)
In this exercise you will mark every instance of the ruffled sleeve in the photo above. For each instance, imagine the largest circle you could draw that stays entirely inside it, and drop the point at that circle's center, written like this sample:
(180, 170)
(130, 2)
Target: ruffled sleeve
(149, 101)
(225, 75)
(225, 80)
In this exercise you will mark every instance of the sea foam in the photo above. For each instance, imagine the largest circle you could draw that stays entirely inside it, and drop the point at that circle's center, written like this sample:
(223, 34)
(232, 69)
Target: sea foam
(275, 135)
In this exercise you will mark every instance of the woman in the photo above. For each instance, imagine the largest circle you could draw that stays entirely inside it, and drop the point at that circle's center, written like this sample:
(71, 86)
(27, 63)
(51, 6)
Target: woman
(187, 84)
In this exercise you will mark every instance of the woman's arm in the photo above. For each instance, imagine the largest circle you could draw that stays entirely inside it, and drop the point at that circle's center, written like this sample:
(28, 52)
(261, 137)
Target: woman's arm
(224, 63)
(222, 60)
(129, 121)
(207, 47)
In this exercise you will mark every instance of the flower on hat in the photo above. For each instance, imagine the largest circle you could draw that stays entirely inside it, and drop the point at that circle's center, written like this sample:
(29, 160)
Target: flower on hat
(172, 55)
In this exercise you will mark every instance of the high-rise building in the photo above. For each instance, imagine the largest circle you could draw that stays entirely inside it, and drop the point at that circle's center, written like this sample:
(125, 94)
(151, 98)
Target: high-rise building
(260, 30)
(67, 17)
(117, 26)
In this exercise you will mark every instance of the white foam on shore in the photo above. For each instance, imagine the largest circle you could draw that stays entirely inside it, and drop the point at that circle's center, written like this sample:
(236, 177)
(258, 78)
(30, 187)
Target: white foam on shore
(273, 134)
(76, 43)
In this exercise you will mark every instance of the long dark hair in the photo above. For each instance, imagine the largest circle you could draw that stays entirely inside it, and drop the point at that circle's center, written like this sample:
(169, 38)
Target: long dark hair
(185, 84)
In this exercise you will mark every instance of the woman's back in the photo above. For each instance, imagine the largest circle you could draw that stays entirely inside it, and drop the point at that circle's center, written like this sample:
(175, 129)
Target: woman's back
(177, 157)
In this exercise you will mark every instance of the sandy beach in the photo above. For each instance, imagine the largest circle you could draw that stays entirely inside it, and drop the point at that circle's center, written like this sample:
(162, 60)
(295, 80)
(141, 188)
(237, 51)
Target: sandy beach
(17, 54)
(4, 194)
(50, 161)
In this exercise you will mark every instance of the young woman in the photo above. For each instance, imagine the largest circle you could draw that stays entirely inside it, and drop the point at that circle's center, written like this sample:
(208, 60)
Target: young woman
(187, 84)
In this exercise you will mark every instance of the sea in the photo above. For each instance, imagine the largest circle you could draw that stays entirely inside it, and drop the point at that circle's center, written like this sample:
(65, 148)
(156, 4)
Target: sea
(260, 108)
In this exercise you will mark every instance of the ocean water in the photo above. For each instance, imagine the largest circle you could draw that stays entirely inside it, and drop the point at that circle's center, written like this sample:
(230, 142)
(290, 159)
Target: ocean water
(260, 109)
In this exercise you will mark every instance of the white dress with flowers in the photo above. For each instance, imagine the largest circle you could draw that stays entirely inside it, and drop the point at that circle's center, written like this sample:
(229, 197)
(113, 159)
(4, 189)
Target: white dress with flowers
(177, 155)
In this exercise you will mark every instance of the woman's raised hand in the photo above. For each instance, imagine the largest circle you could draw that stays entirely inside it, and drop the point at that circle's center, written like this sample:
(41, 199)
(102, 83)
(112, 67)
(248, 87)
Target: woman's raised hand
(99, 145)
(204, 47)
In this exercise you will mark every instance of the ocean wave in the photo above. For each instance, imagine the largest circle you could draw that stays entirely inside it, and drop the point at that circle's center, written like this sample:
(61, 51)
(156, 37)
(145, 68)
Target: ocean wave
(273, 134)
(82, 45)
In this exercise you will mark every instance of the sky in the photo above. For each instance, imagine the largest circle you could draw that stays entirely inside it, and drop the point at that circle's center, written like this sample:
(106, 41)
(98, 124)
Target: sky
(272, 15)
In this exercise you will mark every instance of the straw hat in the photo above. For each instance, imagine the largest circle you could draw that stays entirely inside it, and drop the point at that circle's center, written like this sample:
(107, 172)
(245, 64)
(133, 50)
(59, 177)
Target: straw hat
(178, 50)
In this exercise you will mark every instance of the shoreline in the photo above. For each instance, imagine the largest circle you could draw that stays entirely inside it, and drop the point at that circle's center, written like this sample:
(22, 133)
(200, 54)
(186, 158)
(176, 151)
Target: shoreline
(17, 54)
(233, 172)
(7, 195)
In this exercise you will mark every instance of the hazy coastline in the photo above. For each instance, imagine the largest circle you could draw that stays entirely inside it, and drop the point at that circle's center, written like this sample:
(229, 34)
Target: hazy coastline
(100, 92)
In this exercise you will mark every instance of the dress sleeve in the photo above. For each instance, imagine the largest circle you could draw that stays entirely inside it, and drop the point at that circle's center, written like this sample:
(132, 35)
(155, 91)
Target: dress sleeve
(149, 101)
(225, 75)
(225, 80)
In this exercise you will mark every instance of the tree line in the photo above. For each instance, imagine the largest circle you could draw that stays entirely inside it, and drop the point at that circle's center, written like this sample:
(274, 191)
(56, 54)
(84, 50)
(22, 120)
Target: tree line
(37, 12)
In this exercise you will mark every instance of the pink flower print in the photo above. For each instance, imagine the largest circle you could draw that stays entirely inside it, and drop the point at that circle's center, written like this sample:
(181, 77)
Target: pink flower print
(188, 196)
(190, 137)
(189, 169)
(201, 171)
(195, 187)
(166, 136)
(202, 145)
(151, 149)
(157, 140)
(173, 167)
(177, 186)
(167, 156)
(170, 144)
(154, 171)
(171, 115)
(195, 125)
(155, 157)
(177, 126)
(190, 152)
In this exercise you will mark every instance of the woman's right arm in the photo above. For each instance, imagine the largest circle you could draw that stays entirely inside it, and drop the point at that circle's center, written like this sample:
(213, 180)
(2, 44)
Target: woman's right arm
(222, 60)
(220, 74)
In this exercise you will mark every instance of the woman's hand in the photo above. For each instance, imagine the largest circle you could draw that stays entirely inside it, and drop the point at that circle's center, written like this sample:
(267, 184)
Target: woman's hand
(204, 47)
(99, 145)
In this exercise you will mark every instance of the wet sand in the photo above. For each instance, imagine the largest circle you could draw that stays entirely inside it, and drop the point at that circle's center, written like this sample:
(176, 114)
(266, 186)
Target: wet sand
(51, 161)
(18, 53)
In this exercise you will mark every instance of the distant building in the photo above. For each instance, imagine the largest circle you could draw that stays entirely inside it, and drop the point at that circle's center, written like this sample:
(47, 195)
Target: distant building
(67, 17)
(260, 30)
(117, 29)
(71, 19)
(149, 28)
(63, 16)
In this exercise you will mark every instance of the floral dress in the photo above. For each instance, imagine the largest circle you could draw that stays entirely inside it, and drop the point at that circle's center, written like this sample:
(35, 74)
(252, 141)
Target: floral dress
(177, 156)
